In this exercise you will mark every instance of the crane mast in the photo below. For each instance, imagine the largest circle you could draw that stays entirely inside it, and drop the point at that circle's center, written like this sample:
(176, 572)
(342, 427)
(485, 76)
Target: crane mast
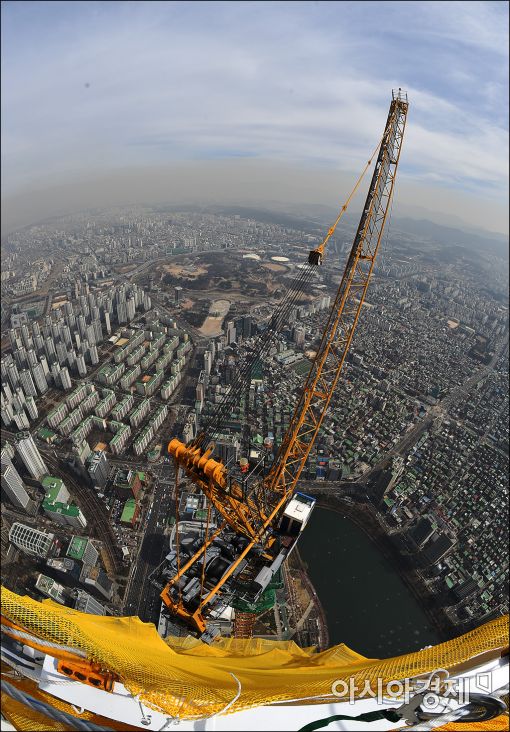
(260, 514)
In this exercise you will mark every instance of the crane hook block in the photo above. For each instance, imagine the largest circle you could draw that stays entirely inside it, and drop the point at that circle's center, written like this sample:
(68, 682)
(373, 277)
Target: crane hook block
(315, 257)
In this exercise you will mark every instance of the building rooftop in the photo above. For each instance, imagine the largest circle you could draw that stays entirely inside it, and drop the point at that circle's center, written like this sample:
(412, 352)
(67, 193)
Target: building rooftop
(77, 547)
(45, 433)
(66, 509)
(52, 486)
(44, 583)
(129, 510)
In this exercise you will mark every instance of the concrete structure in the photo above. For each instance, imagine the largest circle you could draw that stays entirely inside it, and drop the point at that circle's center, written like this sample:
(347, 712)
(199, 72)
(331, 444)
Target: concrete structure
(27, 383)
(31, 408)
(13, 486)
(138, 414)
(32, 541)
(77, 395)
(97, 579)
(121, 409)
(57, 415)
(126, 484)
(55, 489)
(30, 455)
(48, 587)
(65, 379)
(83, 550)
(85, 603)
(82, 450)
(65, 514)
(121, 437)
(98, 469)
(129, 513)
(21, 420)
(106, 404)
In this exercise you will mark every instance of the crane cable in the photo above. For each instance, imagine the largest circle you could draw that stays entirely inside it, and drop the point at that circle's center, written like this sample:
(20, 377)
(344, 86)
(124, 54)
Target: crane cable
(331, 231)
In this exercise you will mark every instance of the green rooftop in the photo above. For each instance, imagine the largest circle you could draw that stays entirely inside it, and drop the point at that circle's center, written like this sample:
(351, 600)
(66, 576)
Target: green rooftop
(128, 511)
(66, 509)
(77, 547)
(49, 481)
(265, 601)
(46, 434)
(52, 486)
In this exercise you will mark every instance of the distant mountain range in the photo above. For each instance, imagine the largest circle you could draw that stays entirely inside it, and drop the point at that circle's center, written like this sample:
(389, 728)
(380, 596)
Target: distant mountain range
(309, 217)
(480, 242)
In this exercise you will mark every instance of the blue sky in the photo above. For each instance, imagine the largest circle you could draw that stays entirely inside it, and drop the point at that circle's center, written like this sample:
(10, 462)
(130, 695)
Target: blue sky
(93, 87)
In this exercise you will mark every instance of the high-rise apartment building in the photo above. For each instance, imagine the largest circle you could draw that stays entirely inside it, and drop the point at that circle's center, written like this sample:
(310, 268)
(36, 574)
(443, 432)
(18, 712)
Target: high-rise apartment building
(13, 375)
(30, 455)
(31, 408)
(6, 392)
(39, 378)
(65, 379)
(7, 414)
(13, 486)
(99, 469)
(80, 364)
(27, 383)
(21, 420)
(94, 356)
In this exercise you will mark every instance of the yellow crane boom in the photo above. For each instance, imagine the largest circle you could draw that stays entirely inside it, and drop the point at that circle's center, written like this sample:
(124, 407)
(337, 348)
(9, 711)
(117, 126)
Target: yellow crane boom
(337, 336)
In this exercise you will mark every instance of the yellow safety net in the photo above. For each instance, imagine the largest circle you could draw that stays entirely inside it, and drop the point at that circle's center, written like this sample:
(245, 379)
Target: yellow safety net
(190, 680)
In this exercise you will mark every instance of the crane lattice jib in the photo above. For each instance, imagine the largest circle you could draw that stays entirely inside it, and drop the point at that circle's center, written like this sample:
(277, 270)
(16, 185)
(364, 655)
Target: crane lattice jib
(336, 339)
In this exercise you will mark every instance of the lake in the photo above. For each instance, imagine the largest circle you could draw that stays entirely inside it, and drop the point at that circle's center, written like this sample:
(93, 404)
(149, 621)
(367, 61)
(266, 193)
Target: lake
(367, 605)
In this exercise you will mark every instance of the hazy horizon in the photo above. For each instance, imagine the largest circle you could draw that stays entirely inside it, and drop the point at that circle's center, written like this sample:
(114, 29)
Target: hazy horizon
(125, 102)
(255, 183)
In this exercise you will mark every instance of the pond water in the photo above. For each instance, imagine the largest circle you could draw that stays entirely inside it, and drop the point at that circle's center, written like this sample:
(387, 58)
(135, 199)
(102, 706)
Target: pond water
(367, 605)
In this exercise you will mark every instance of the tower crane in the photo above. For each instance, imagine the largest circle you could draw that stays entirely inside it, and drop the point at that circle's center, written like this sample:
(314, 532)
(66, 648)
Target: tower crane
(261, 520)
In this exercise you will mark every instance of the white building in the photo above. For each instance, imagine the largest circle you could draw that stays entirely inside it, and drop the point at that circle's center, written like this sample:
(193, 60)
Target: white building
(13, 486)
(31, 541)
(30, 455)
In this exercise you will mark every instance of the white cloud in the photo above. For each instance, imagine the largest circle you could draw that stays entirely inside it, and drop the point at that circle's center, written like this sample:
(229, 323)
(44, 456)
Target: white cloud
(293, 82)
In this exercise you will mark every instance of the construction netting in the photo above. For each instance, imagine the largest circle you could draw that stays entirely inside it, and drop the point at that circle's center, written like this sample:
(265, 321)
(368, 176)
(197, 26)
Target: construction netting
(185, 678)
